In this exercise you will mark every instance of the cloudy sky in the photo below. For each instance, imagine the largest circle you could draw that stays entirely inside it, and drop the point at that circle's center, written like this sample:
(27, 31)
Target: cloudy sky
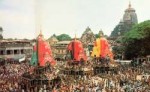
(25, 18)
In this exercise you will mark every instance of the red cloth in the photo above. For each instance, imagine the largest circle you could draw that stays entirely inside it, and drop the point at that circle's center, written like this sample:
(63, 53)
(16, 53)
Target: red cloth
(77, 50)
(34, 48)
(105, 49)
(44, 52)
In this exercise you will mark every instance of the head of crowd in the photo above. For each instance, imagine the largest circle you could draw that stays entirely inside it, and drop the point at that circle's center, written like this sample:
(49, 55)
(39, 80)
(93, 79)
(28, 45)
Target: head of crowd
(128, 78)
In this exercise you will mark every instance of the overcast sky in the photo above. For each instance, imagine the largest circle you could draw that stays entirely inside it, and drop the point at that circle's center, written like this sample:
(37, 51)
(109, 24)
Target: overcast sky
(25, 18)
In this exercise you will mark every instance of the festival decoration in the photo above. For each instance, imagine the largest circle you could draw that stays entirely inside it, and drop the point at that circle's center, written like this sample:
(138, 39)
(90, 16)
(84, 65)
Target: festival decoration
(76, 50)
(42, 53)
(101, 48)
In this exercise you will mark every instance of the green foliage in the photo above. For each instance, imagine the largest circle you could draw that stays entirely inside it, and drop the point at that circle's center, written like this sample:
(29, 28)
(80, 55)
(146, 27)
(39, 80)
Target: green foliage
(10, 39)
(97, 35)
(1, 37)
(100, 33)
(137, 40)
(63, 37)
(118, 49)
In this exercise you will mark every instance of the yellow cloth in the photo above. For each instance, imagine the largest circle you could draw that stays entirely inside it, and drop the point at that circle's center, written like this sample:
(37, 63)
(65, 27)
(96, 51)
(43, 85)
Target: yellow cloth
(96, 49)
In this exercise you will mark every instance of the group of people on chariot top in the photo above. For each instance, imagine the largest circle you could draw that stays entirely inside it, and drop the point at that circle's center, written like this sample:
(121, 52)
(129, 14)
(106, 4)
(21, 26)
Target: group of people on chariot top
(102, 60)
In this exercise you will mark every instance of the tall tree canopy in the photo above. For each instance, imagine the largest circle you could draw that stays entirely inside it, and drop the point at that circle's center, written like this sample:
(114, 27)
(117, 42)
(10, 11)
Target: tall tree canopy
(137, 40)
(63, 37)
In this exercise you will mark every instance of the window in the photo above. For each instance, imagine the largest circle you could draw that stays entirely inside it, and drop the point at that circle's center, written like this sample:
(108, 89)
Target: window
(15, 52)
(1, 52)
(22, 51)
(8, 52)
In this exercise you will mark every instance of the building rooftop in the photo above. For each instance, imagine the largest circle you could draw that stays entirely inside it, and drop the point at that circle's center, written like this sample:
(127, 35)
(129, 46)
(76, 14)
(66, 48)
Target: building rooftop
(15, 41)
(63, 42)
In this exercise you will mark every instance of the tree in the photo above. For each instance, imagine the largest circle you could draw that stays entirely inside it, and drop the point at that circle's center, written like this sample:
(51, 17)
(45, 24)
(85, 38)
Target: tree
(97, 35)
(1, 37)
(63, 37)
(137, 40)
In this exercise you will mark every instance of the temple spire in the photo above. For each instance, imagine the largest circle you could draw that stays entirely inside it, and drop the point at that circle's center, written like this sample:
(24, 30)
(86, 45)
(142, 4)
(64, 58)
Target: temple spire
(129, 4)
(40, 32)
(40, 28)
(101, 33)
(75, 37)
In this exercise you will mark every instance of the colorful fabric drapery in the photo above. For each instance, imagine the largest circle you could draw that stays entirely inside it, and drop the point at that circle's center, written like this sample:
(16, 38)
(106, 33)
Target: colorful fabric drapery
(96, 48)
(42, 53)
(101, 48)
(34, 59)
(76, 50)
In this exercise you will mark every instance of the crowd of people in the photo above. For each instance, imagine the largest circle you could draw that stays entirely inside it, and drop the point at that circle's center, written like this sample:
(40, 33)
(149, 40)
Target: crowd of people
(128, 79)
(10, 76)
